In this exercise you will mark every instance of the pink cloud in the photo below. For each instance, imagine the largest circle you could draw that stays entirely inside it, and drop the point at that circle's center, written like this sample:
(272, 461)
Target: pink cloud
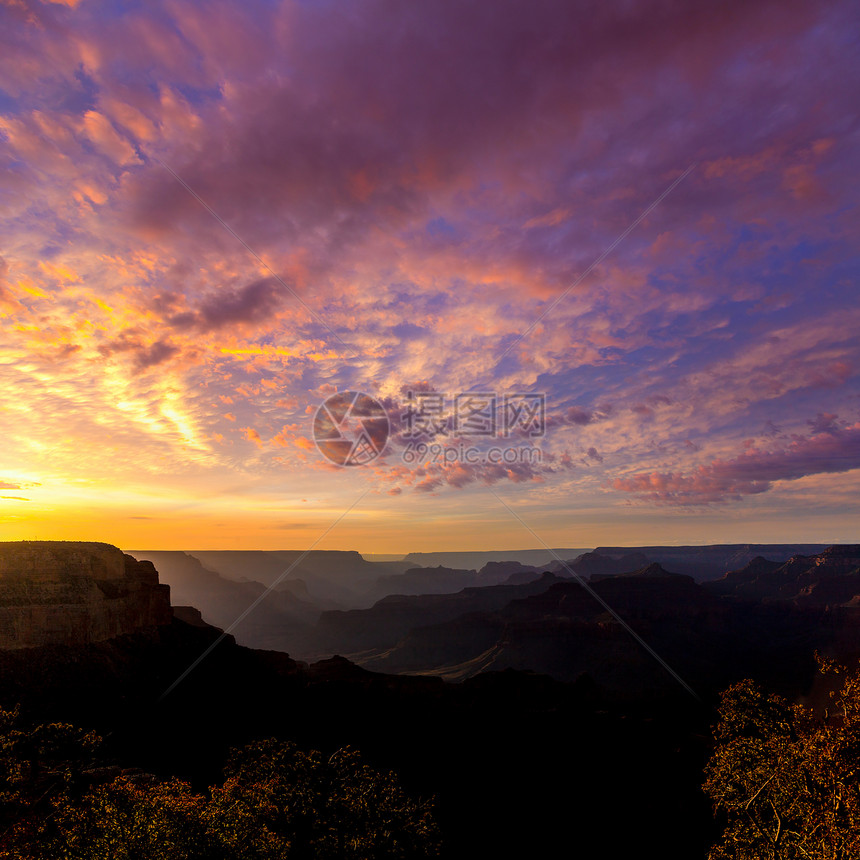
(6, 296)
(105, 137)
(460, 475)
(252, 436)
(755, 471)
(18, 485)
(305, 444)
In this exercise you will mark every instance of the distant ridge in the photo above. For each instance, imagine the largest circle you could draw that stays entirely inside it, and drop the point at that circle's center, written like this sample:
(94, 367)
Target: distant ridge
(826, 579)
(477, 560)
(651, 571)
(715, 560)
(595, 565)
(341, 576)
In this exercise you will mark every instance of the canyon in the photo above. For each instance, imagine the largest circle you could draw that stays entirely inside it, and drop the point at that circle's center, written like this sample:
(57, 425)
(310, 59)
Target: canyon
(75, 593)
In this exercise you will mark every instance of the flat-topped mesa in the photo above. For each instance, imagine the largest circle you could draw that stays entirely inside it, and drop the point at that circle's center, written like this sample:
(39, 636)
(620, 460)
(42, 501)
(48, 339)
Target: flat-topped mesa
(71, 593)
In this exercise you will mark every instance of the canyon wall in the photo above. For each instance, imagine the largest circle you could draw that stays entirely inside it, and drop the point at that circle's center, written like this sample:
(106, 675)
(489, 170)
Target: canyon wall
(71, 593)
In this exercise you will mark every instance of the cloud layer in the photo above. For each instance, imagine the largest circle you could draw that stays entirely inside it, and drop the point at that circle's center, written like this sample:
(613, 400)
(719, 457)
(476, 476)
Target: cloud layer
(182, 182)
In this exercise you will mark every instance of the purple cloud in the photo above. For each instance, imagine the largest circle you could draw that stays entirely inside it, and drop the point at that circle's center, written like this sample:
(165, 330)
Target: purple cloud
(755, 471)
(254, 302)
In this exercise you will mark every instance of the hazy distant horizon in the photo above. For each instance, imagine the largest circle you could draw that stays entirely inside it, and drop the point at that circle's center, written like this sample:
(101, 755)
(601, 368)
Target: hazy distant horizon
(371, 556)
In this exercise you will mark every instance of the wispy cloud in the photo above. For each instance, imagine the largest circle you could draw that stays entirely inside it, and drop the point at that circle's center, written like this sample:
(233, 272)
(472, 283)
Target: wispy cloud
(428, 185)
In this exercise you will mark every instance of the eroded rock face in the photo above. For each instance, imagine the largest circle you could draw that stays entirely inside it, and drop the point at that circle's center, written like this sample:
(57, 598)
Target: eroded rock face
(70, 593)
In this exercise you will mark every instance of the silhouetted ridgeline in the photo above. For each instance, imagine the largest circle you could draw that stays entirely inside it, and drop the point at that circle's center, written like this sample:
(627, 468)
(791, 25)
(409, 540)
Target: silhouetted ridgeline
(380, 615)
(477, 560)
(712, 562)
(827, 578)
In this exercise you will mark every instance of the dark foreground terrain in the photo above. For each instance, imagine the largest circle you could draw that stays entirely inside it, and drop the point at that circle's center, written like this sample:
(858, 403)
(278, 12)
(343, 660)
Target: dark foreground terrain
(517, 761)
(601, 751)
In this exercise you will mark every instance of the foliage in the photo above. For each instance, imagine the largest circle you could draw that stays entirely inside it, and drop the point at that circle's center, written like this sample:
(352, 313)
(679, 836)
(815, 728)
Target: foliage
(123, 820)
(787, 782)
(36, 763)
(277, 801)
(320, 807)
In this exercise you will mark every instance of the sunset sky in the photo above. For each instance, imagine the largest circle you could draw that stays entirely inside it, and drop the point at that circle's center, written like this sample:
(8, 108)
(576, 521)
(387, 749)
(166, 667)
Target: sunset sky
(214, 215)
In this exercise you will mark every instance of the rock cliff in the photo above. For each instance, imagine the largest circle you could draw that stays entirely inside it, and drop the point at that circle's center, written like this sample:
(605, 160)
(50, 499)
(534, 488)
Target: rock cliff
(829, 578)
(70, 593)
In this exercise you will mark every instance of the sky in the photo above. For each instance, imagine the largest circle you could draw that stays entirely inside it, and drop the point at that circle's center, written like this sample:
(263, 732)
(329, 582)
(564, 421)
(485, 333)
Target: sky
(216, 216)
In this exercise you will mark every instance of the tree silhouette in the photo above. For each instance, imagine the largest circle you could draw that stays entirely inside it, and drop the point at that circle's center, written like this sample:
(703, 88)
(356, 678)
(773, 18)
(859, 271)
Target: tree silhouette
(277, 802)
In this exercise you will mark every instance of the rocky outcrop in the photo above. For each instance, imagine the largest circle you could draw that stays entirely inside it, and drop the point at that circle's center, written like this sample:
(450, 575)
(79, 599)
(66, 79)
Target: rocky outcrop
(70, 593)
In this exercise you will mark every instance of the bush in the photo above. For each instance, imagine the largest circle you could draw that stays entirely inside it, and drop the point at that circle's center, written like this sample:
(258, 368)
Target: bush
(277, 803)
(784, 780)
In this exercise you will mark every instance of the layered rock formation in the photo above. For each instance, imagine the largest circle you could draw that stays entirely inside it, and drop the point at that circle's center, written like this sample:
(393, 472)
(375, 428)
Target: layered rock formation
(828, 578)
(70, 593)
(386, 622)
